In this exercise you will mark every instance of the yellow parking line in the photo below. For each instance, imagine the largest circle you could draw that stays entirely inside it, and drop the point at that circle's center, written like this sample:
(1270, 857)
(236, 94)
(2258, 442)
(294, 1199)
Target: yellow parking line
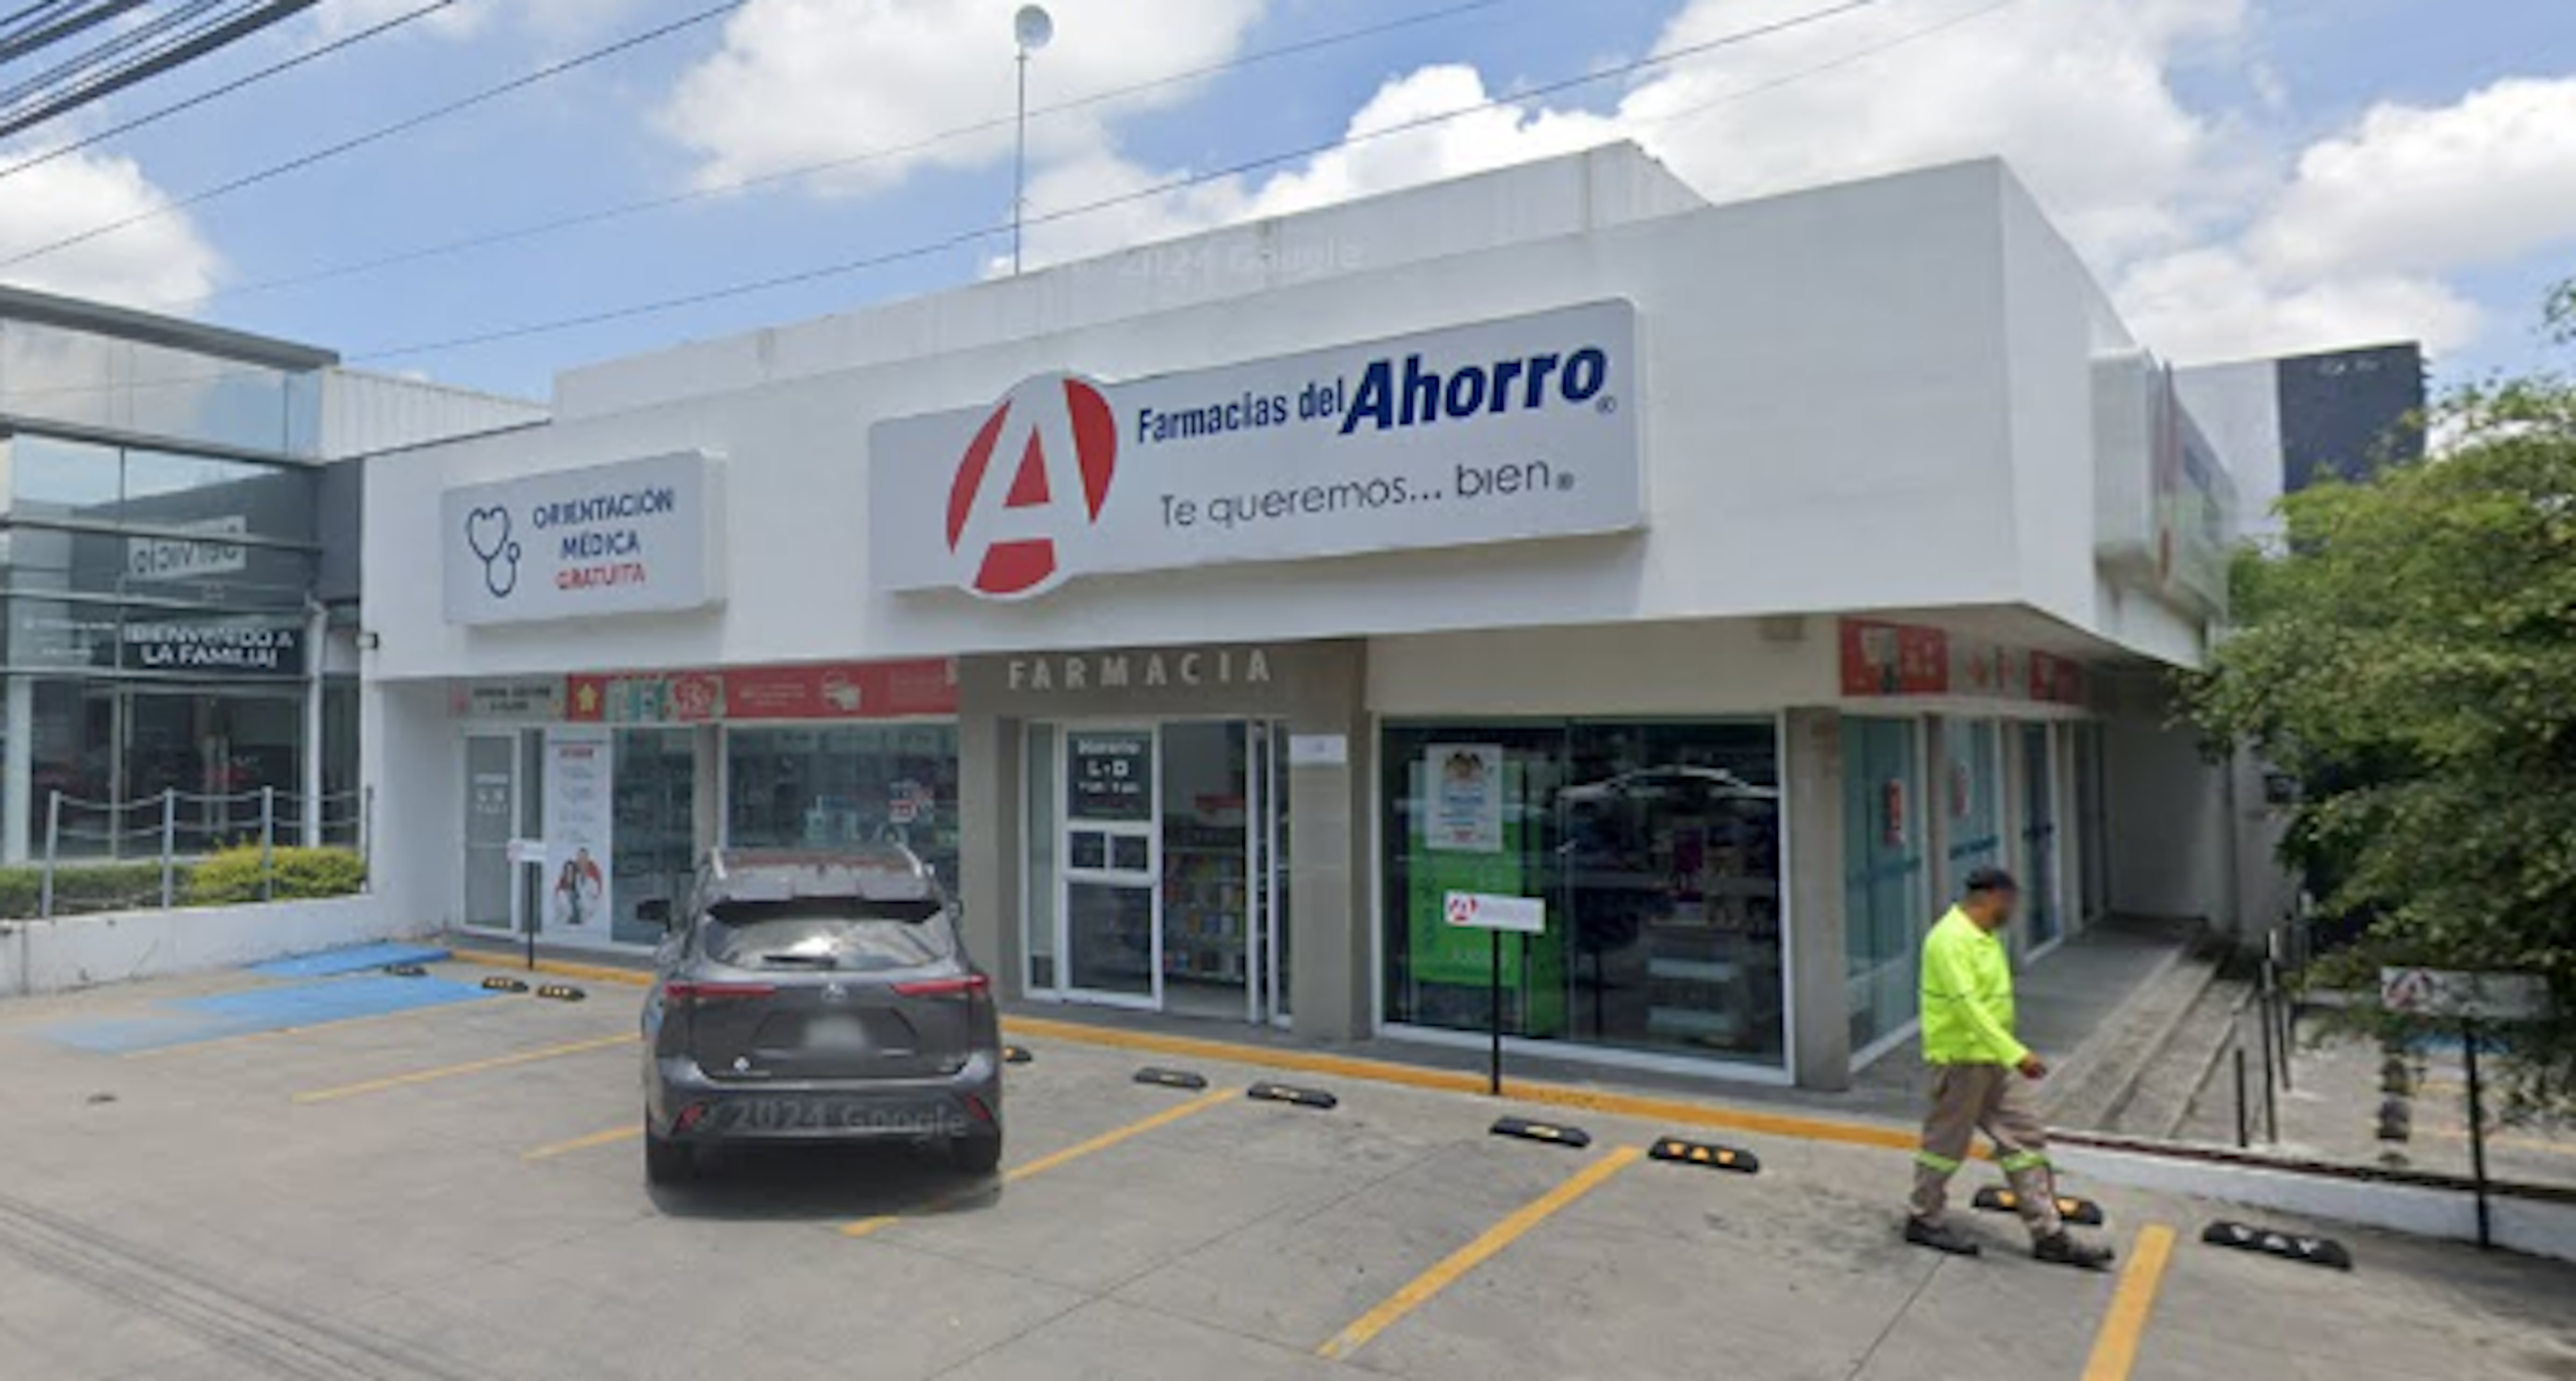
(1422, 1288)
(561, 968)
(1067, 1156)
(1684, 1112)
(2115, 1351)
(610, 1137)
(424, 1076)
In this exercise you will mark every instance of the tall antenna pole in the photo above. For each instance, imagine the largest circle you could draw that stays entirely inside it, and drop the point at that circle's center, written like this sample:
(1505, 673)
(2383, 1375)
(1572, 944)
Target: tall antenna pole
(1030, 28)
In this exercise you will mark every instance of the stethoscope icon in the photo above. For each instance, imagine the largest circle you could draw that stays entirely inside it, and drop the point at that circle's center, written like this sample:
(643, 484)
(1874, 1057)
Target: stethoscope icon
(487, 532)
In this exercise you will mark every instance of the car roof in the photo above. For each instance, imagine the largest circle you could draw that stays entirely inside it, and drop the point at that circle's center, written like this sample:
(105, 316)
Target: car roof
(878, 872)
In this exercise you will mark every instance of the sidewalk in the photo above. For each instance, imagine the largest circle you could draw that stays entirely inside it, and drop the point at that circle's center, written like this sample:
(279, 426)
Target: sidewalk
(2067, 999)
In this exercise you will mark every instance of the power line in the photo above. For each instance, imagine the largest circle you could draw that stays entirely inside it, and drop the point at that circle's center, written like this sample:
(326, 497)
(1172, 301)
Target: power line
(711, 191)
(965, 238)
(216, 34)
(226, 89)
(380, 133)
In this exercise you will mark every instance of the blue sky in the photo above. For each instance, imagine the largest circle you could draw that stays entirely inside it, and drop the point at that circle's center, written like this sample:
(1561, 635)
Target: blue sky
(2244, 175)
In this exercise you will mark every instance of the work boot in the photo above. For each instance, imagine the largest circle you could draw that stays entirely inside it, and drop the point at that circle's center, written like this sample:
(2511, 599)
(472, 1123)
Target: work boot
(1941, 1237)
(2062, 1249)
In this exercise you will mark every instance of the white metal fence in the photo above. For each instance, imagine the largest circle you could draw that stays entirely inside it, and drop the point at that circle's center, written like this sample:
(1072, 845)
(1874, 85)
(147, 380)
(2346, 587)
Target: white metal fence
(178, 827)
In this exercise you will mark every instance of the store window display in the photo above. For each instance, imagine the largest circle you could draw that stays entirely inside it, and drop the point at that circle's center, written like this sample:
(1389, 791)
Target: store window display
(1657, 850)
(832, 787)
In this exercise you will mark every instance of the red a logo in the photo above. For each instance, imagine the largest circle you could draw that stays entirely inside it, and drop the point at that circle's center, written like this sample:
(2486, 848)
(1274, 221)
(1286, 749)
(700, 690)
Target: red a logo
(1017, 526)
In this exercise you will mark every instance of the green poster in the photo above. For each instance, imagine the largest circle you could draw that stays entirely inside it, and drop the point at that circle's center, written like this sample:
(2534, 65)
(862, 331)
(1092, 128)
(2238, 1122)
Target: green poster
(1448, 956)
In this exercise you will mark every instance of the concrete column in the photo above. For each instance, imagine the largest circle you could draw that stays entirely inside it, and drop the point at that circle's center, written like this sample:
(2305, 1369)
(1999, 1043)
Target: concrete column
(1812, 770)
(1332, 971)
(17, 794)
(991, 864)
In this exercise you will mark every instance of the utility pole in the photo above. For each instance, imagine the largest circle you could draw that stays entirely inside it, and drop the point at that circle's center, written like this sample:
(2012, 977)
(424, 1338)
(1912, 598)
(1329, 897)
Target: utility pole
(1032, 27)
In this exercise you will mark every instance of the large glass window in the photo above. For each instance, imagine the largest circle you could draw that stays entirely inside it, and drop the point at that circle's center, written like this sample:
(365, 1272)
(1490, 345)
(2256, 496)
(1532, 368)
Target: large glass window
(1885, 909)
(1972, 796)
(828, 787)
(111, 750)
(1656, 848)
(654, 772)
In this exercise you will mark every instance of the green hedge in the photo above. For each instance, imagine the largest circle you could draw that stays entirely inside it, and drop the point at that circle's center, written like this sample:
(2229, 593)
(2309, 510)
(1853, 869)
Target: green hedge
(83, 888)
(229, 878)
(233, 877)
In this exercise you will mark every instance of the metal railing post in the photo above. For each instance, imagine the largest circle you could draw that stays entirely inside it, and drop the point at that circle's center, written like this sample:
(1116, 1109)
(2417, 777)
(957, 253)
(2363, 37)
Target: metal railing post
(268, 843)
(53, 841)
(169, 843)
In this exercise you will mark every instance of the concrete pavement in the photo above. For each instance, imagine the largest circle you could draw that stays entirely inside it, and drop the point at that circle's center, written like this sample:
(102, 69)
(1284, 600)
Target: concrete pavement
(453, 1192)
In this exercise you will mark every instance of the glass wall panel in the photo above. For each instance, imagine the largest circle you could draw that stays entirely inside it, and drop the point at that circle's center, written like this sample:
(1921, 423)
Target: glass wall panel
(830, 787)
(1885, 910)
(1972, 790)
(57, 374)
(50, 478)
(2040, 901)
(654, 853)
(1656, 848)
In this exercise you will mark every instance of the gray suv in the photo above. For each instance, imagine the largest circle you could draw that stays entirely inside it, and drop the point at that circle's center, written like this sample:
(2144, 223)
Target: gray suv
(818, 998)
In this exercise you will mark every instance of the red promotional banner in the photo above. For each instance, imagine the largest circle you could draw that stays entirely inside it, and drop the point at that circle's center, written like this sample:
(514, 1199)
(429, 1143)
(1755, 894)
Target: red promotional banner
(1894, 659)
(2055, 680)
(834, 690)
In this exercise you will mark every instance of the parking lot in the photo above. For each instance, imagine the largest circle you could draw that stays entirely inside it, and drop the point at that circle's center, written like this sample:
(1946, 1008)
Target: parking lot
(453, 1189)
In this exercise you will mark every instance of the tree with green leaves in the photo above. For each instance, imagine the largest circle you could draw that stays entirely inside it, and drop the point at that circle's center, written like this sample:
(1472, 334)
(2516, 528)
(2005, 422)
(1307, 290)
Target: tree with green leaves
(2408, 652)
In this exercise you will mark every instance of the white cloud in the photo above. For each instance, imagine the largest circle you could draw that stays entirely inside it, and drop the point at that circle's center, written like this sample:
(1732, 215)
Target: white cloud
(2484, 180)
(2216, 303)
(158, 262)
(806, 81)
(2213, 243)
(2072, 92)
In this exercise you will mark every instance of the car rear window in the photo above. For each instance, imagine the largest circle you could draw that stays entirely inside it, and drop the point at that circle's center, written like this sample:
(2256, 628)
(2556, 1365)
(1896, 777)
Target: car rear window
(829, 933)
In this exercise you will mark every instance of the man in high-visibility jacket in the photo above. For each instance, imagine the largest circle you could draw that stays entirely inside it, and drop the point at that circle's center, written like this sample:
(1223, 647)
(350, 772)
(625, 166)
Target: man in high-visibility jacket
(1978, 1067)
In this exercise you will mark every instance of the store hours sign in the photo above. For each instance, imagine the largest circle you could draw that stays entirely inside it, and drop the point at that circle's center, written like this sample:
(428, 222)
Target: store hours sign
(1505, 430)
(639, 536)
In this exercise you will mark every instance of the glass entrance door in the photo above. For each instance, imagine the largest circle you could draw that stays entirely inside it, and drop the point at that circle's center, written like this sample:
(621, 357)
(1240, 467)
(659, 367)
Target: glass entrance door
(1111, 862)
(491, 817)
(1158, 866)
(2039, 836)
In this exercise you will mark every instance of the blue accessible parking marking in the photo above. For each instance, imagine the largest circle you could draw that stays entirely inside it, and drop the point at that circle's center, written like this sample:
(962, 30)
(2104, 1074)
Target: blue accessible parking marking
(355, 959)
(191, 1020)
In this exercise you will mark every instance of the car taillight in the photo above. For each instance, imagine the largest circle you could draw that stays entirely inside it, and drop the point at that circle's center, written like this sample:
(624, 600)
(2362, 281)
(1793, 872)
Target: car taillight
(688, 993)
(971, 985)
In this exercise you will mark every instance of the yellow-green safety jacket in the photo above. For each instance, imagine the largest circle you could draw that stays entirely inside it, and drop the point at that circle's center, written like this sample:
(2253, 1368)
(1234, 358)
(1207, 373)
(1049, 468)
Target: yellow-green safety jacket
(1967, 996)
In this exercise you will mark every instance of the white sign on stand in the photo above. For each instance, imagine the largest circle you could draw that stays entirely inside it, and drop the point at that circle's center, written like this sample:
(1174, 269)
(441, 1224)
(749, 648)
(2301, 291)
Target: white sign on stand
(1485, 911)
(523, 851)
(2463, 995)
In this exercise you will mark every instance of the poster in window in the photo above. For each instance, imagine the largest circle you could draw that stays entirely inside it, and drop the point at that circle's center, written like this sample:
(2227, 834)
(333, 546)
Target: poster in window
(1466, 797)
(1109, 776)
(579, 814)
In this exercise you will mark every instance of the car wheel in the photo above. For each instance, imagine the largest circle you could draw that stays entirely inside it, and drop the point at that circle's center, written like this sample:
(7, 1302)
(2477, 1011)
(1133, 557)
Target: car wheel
(667, 1161)
(980, 1154)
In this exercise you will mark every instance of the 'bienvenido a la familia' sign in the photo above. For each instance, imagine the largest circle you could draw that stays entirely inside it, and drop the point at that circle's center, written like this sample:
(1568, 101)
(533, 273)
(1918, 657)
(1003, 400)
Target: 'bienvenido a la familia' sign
(635, 537)
(230, 648)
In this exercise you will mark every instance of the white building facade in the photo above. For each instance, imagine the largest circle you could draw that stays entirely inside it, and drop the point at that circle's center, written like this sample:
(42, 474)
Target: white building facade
(1728, 580)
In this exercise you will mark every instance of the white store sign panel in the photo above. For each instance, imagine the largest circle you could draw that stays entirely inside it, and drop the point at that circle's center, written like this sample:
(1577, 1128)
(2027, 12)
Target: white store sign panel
(635, 537)
(1501, 431)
